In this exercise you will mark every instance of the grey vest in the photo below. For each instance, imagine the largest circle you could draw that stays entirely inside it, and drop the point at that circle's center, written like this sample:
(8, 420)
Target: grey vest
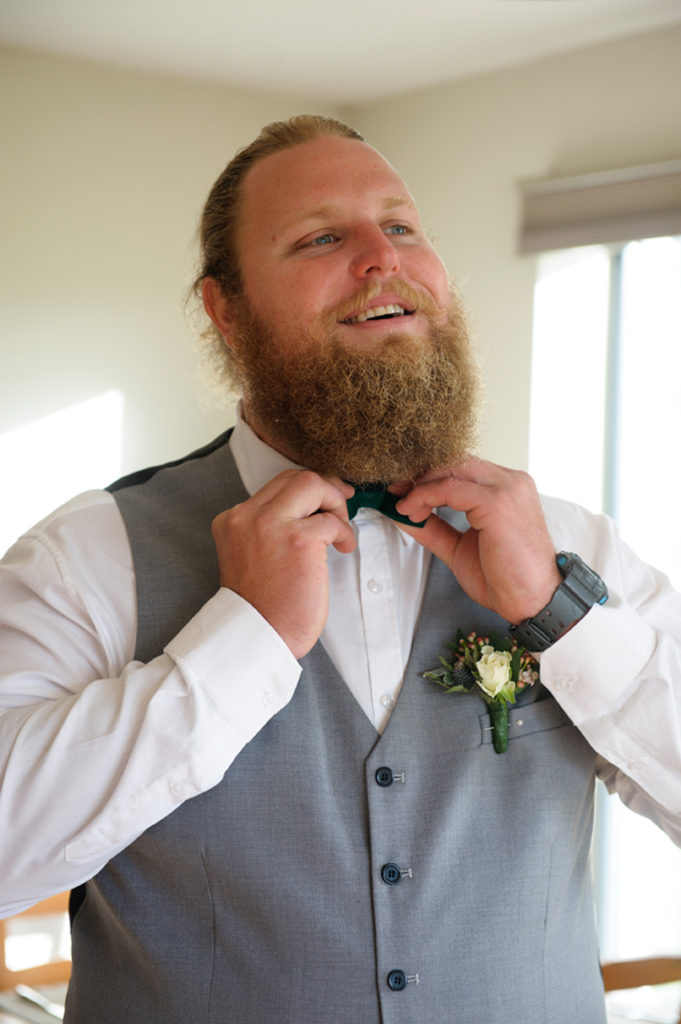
(335, 876)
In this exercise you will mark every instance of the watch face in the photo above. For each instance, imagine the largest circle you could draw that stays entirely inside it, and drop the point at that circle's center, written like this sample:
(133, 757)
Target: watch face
(586, 584)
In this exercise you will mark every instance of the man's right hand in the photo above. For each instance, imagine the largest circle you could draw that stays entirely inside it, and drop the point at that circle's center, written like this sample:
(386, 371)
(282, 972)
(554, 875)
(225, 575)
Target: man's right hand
(272, 551)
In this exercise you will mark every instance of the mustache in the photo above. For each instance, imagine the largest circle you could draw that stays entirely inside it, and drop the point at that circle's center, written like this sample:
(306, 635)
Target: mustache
(415, 300)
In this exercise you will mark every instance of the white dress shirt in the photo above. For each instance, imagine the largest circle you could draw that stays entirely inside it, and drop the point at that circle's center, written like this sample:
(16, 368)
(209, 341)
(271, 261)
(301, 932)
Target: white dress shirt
(372, 614)
(95, 747)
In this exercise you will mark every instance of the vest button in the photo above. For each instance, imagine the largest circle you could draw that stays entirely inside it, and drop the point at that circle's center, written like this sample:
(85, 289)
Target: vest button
(397, 980)
(391, 874)
(384, 776)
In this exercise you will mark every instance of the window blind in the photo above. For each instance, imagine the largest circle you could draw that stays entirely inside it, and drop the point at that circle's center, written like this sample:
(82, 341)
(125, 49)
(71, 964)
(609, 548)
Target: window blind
(611, 206)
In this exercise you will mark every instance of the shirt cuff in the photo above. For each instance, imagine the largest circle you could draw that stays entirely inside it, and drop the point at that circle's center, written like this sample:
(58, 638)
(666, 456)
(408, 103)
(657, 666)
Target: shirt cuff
(607, 675)
(592, 669)
(231, 651)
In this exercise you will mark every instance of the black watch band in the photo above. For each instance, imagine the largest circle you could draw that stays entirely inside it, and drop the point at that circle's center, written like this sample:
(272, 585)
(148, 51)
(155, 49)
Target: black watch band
(580, 590)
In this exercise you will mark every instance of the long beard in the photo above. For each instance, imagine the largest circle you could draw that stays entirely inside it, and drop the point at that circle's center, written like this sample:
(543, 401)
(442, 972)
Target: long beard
(391, 413)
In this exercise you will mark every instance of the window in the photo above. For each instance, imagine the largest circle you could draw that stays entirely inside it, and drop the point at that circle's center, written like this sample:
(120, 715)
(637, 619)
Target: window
(607, 347)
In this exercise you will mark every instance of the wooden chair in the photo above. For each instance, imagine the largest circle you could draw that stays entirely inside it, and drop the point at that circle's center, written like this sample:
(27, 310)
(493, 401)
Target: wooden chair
(52, 973)
(656, 970)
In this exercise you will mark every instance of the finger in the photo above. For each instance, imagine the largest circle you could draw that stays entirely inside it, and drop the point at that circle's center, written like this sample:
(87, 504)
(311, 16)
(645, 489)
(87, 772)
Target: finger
(300, 493)
(292, 497)
(335, 495)
(478, 488)
(331, 529)
(448, 491)
(437, 536)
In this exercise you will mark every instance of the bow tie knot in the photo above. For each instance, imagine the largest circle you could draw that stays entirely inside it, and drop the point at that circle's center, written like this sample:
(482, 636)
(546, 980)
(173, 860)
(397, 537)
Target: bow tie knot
(377, 496)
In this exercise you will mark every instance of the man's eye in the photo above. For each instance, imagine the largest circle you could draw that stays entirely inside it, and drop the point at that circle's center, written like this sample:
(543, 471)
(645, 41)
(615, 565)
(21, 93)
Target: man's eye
(325, 239)
(397, 229)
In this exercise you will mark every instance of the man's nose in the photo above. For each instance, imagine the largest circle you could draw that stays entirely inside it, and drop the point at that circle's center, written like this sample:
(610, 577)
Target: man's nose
(374, 254)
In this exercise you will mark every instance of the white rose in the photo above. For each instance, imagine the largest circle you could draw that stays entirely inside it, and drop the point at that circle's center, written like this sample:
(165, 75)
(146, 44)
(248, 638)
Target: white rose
(495, 670)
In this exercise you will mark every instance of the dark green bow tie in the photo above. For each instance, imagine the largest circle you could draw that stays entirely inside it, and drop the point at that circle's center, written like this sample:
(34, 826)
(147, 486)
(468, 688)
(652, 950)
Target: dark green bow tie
(376, 496)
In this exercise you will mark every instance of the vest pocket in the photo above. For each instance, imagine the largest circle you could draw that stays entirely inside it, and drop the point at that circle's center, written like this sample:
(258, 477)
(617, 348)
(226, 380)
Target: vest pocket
(525, 719)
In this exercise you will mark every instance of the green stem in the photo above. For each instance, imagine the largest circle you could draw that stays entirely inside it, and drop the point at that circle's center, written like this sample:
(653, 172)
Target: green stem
(498, 714)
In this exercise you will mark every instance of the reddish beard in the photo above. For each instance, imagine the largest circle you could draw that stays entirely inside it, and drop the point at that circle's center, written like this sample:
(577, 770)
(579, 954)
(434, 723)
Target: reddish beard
(406, 406)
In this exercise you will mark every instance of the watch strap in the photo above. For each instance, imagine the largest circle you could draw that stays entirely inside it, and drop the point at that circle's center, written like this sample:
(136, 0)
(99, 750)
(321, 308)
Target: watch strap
(580, 589)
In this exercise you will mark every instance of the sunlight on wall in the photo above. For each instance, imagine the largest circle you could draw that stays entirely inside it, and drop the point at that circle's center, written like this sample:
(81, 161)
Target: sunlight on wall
(52, 459)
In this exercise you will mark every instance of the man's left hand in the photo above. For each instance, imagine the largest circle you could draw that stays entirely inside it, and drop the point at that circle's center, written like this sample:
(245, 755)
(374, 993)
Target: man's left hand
(506, 561)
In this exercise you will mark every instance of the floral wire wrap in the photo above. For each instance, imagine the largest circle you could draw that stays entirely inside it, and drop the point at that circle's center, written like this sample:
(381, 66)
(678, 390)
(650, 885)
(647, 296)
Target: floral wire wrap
(498, 666)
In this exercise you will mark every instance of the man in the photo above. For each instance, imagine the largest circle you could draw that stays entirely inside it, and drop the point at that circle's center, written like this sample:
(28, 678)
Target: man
(231, 741)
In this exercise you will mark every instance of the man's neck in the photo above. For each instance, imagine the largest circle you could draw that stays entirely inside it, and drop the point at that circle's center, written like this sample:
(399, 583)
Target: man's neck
(257, 461)
(265, 435)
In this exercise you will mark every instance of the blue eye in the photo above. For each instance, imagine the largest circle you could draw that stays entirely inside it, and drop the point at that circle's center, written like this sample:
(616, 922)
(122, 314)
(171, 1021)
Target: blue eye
(397, 229)
(325, 239)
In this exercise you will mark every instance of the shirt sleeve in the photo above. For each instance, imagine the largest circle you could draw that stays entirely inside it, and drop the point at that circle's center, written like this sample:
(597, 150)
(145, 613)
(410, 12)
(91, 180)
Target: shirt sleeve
(95, 747)
(617, 673)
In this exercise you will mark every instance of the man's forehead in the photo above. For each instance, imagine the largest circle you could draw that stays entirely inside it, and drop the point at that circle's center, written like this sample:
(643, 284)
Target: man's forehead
(386, 203)
(319, 177)
(330, 211)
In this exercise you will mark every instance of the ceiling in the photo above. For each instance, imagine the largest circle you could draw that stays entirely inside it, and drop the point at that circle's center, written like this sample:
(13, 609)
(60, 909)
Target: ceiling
(333, 51)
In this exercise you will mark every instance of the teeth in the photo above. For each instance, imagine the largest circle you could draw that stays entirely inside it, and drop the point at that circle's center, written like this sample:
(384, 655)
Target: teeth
(375, 312)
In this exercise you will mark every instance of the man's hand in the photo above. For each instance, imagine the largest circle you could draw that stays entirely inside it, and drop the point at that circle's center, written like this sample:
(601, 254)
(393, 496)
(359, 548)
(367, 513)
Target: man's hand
(506, 560)
(272, 551)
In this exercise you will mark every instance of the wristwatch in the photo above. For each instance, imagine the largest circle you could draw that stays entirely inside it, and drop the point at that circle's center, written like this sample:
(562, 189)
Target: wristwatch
(580, 590)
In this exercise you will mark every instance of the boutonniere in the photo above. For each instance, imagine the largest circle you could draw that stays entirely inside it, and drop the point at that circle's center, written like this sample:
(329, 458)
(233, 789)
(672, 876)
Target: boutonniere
(495, 664)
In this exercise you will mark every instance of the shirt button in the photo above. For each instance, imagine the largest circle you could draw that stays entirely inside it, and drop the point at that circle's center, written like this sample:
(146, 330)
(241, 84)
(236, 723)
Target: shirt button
(563, 684)
(388, 701)
(397, 980)
(375, 586)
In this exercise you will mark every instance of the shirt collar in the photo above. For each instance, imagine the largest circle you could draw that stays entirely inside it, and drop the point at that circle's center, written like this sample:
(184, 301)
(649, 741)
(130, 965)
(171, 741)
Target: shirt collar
(256, 461)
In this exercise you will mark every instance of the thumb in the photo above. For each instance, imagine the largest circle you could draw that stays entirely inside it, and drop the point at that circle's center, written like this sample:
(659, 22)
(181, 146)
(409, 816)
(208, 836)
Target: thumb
(437, 536)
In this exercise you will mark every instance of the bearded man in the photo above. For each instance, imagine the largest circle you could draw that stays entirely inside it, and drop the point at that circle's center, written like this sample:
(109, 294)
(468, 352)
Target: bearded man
(226, 746)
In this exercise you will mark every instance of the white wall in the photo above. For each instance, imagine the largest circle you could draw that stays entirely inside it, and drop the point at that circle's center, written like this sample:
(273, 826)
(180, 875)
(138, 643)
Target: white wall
(105, 172)
(464, 149)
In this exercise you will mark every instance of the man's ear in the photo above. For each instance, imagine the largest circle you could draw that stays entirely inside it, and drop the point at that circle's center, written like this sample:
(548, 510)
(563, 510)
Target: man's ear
(218, 308)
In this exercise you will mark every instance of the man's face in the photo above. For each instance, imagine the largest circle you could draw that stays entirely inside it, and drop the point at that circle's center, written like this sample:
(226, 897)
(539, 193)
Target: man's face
(352, 353)
(323, 225)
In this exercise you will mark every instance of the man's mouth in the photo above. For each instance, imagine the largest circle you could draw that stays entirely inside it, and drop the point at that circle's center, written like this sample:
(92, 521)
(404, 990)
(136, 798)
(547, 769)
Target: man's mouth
(379, 313)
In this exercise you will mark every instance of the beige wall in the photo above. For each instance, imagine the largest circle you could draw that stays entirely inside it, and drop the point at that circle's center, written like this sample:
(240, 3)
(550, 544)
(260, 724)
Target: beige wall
(465, 148)
(101, 184)
(105, 172)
